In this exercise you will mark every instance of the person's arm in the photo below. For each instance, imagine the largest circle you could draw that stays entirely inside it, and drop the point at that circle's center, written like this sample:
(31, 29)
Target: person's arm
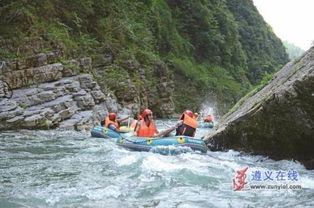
(168, 131)
(165, 132)
(137, 127)
(113, 128)
(123, 119)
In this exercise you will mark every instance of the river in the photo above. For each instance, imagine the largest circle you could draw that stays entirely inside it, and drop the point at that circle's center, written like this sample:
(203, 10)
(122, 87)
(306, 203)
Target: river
(72, 169)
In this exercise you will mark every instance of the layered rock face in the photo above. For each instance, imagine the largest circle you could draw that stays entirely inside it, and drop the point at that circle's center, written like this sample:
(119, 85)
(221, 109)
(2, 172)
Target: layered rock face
(75, 103)
(50, 91)
(50, 94)
(278, 120)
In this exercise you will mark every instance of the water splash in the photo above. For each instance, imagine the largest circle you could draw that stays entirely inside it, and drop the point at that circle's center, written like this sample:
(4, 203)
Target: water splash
(208, 109)
(71, 169)
(170, 150)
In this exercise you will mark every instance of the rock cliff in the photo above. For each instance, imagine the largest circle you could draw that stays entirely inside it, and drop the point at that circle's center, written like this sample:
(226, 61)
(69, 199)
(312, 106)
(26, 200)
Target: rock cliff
(278, 120)
(49, 92)
(75, 103)
(53, 90)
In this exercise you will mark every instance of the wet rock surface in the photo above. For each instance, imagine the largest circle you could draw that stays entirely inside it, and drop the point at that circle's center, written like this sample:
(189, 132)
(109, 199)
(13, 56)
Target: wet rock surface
(278, 120)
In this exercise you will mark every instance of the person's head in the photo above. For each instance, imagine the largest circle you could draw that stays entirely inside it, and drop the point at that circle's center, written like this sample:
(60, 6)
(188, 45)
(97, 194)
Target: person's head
(208, 117)
(112, 116)
(147, 114)
(195, 115)
(187, 113)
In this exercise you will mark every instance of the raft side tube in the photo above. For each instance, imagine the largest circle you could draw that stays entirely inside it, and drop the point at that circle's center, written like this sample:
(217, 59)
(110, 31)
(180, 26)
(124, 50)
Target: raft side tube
(145, 144)
(103, 132)
(206, 125)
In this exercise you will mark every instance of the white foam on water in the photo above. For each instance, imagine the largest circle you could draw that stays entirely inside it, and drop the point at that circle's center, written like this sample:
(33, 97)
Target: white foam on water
(128, 160)
(168, 164)
(79, 171)
(306, 182)
(197, 163)
(160, 163)
(52, 200)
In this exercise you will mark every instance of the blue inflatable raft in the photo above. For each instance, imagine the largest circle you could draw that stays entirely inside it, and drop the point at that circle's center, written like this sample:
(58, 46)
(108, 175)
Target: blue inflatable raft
(205, 124)
(103, 132)
(148, 144)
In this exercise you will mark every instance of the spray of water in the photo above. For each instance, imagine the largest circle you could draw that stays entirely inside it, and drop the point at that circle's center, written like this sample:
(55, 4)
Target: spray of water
(208, 108)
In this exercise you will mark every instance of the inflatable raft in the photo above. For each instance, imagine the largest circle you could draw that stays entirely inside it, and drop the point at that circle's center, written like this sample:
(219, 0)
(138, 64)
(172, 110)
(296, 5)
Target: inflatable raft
(205, 124)
(126, 129)
(147, 144)
(103, 132)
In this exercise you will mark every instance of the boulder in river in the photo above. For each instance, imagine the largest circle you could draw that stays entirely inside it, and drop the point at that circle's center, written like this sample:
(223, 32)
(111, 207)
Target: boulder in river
(278, 120)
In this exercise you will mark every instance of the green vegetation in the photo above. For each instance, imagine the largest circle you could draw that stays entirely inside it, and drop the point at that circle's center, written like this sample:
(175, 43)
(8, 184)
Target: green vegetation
(201, 79)
(213, 46)
(69, 65)
(293, 50)
(264, 50)
(23, 105)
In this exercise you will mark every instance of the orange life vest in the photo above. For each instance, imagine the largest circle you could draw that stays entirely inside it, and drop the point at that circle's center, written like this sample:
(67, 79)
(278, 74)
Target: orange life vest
(188, 127)
(108, 122)
(147, 131)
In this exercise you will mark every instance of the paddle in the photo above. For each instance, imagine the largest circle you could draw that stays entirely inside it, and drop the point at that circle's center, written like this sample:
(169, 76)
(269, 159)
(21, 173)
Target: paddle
(165, 132)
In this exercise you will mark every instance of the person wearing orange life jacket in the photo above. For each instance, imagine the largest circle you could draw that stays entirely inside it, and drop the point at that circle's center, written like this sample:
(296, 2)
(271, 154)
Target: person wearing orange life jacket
(146, 127)
(112, 123)
(187, 124)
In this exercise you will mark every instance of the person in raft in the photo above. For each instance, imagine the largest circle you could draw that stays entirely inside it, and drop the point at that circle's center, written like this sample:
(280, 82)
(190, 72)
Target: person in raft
(195, 116)
(187, 124)
(208, 118)
(111, 122)
(146, 126)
